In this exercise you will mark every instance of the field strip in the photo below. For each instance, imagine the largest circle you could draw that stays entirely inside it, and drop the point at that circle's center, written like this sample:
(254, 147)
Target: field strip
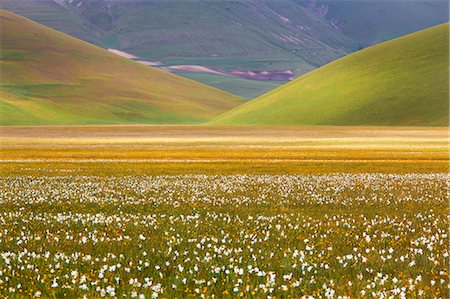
(244, 140)
(224, 160)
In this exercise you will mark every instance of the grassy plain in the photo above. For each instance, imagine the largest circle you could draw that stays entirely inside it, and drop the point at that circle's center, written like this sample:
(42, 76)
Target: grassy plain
(114, 150)
(223, 212)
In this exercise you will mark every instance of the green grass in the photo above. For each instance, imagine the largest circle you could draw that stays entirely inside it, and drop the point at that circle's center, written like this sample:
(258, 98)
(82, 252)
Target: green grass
(51, 78)
(400, 82)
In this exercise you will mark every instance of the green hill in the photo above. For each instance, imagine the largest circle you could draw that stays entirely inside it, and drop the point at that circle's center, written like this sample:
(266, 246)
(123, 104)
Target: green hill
(401, 82)
(244, 35)
(48, 77)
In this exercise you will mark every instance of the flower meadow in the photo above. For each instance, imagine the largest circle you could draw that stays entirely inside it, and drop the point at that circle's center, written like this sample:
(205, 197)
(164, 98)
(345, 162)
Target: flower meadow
(225, 236)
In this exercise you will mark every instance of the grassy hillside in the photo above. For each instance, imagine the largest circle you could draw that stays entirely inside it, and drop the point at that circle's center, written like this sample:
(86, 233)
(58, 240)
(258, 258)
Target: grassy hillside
(400, 82)
(51, 78)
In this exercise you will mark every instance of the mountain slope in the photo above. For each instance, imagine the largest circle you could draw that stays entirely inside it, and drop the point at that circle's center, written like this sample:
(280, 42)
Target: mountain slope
(247, 35)
(373, 21)
(54, 15)
(51, 78)
(250, 34)
(400, 82)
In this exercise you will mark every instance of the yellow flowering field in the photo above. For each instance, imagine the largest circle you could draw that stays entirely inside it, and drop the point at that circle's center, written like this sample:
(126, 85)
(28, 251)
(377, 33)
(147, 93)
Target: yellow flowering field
(180, 212)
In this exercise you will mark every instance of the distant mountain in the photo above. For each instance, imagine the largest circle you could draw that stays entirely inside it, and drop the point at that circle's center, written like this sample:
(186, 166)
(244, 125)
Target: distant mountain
(245, 35)
(235, 36)
(369, 22)
(51, 78)
(54, 15)
(400, 82)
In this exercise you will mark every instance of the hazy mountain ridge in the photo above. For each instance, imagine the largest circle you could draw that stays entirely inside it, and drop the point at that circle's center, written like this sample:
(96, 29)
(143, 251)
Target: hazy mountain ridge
(373, 21)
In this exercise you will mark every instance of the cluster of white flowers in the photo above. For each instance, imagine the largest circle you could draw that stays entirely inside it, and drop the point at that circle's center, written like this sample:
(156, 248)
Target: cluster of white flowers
(301, 236)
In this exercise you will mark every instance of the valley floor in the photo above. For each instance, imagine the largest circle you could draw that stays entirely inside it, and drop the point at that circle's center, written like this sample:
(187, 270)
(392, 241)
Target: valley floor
(117, 150)
(224, 212)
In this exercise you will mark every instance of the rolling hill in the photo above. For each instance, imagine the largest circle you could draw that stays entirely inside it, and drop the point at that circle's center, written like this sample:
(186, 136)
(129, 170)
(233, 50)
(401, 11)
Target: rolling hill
(235, 35)
(401, 82)
(48, 77)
